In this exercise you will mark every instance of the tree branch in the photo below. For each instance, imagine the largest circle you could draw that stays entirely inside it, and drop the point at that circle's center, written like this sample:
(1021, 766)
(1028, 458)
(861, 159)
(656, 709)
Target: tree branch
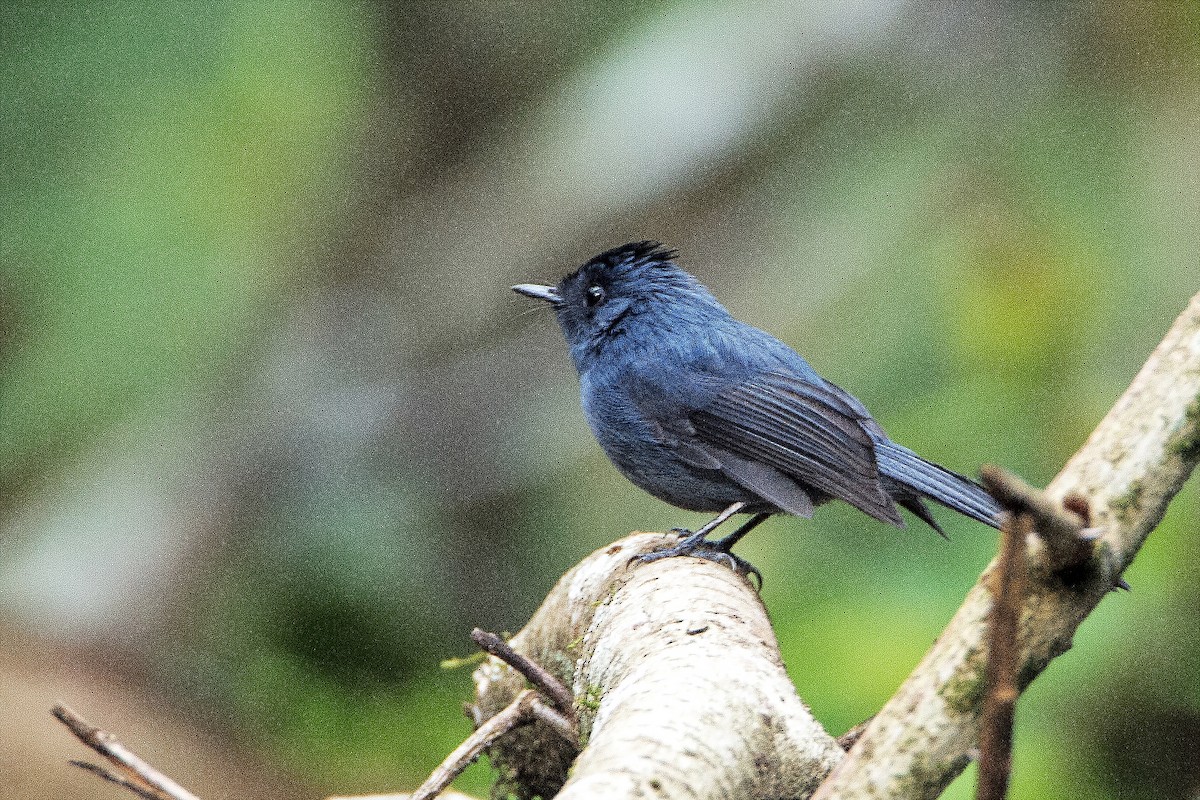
(535, 673)
(140, 778)
(446, 795)
(678, 682)
(1128, 470)
(1060, 526)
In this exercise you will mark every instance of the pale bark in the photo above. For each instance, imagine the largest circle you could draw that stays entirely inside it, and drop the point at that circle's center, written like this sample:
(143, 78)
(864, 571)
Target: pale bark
(679, 684)
(1129, 469)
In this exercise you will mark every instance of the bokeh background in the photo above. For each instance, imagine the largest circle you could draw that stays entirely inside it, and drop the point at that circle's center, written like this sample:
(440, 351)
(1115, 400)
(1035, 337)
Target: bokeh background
(275, 434)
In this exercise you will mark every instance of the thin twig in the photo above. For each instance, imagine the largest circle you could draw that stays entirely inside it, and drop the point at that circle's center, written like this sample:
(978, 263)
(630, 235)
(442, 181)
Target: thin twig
(535, 673)
(1061, 526)
(108, 746)
(566, 728)
(140, 789)
(1000, 674)
(519, 711)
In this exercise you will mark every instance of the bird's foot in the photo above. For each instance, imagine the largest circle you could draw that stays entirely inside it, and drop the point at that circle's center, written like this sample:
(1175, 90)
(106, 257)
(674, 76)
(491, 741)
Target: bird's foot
(694, 544)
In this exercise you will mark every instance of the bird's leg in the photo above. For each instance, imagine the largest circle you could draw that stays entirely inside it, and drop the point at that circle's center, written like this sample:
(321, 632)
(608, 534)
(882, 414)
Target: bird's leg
(691, 539)
(729, 541)
(694, 544)
(725, 545)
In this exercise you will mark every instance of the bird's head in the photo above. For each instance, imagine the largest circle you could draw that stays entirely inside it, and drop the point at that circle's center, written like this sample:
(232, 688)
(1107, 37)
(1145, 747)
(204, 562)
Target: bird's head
(636, 284)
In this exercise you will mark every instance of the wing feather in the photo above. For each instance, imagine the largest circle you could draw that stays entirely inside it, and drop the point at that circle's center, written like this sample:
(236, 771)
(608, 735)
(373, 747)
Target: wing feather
(810, 432)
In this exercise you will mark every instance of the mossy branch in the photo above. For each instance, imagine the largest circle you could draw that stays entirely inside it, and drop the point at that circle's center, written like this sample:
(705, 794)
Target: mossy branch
(1135, 461)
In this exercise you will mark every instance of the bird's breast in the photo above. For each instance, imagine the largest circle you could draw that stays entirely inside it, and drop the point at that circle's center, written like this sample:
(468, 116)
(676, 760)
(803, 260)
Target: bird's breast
(643, 450)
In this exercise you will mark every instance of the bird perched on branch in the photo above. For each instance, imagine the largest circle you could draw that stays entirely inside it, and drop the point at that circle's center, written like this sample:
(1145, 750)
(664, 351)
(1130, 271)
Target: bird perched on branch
(711, 414)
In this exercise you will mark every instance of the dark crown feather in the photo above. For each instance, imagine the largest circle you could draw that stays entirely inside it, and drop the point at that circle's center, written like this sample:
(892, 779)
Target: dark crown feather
(634, 252)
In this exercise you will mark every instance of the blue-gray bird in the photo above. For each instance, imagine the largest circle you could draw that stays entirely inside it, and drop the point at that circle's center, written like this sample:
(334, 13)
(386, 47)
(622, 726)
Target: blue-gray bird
(711, 414)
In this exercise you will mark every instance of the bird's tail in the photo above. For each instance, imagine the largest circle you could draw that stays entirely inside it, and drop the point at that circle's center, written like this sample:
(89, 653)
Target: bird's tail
(939, 484)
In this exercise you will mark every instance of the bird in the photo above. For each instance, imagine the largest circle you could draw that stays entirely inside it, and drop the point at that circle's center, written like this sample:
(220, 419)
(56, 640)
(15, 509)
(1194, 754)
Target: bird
(712, 414)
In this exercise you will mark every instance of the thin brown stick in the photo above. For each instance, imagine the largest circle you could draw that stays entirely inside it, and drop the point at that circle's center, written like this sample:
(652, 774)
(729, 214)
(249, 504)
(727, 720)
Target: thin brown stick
(535, 673)
(1000, 673)
(1068, 543)
(568, 729)
(518, 712)
(136, 787)
(107, 745)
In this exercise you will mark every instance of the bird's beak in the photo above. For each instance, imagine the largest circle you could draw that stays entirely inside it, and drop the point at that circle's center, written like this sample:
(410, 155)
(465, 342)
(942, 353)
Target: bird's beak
(539, 292)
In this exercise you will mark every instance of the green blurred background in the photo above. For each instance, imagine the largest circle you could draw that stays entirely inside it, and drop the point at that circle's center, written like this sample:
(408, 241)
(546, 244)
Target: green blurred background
(274, 433)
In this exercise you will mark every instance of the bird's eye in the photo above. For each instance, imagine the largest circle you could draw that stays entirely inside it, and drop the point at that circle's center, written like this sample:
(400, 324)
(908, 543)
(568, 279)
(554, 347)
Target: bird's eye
(594, 295)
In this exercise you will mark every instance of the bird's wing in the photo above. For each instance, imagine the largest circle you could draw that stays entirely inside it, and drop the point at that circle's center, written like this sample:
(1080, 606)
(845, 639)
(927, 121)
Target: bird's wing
(812, 433)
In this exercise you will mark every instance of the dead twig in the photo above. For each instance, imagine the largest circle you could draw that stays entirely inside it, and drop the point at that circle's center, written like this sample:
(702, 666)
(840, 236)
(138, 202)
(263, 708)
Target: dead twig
(535, 673)
(100, 772)
(1069, 544)
(142, 779)
(525, 708)
(1000, 673)
(566, 728)
(518, 712)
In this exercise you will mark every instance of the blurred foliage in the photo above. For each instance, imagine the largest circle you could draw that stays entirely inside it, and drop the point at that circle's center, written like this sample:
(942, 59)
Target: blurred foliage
(284, 234)
(156, 160)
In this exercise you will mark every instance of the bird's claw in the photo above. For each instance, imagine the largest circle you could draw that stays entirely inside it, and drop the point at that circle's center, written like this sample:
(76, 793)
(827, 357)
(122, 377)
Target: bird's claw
(682, 533)
(741, 566)
(710, 551)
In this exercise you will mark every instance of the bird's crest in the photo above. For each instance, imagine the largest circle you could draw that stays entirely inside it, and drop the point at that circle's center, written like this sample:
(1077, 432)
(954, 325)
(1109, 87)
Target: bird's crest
(634, 253)
(647, 266)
